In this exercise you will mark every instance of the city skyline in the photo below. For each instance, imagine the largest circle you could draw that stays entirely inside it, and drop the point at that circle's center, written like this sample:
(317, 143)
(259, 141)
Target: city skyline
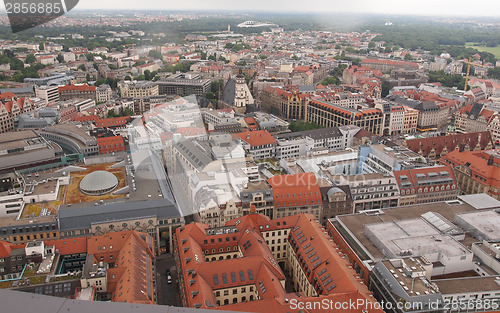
(358, 6)
(389, 7)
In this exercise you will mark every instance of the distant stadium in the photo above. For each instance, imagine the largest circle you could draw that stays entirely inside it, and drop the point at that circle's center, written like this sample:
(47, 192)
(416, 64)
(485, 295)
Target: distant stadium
(249, 24)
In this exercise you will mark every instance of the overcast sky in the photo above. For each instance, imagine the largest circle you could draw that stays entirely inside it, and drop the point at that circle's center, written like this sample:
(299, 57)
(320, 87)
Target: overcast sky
(411, 7)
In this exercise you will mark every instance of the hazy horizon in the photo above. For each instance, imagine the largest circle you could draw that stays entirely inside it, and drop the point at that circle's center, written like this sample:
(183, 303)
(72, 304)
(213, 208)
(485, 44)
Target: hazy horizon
(442, 8)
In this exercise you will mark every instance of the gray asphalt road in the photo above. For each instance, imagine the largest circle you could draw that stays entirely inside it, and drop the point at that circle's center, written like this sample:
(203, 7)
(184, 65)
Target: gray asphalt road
(168, 294)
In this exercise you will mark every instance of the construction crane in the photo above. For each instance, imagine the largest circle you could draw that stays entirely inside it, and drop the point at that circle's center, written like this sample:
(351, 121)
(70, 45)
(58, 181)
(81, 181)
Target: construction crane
(469, 63)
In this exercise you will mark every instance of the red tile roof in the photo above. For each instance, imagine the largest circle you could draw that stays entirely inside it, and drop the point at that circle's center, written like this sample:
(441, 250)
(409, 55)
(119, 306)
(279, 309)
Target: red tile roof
(424, 146)
(86, 118)
(5, 249)
(295, 190)
(112, 140)
(487, 114)
(81, 88)
(251, 123)
(257, 138)
(411, 180)
(301, 68)
(202, 278)
(112, 122)
(477, 162)
(69, 246)
(7, 95)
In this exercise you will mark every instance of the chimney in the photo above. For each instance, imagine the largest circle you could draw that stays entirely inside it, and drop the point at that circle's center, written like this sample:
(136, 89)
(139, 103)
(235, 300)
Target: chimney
(490, 160)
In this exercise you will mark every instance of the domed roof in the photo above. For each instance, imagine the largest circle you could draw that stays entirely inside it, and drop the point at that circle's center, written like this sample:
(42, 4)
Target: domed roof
(334, 190)
(98, 182)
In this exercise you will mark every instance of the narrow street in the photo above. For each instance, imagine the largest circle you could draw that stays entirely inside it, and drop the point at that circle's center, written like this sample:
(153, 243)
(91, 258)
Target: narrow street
(168, 294)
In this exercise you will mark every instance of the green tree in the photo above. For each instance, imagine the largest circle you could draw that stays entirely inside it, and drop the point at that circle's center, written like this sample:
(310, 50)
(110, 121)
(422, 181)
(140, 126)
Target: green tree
(16, 64)
(9, 54)
(211, 96)
(147, 75)
(330, 81)
(82, 67)
(386, 88)
(447, 80)
(99, 82)
(128, 112)
(408, 57)
(155, 54)
(30, 58)
(350, 49)
(494, 73)
(60, 58)
(295, 126)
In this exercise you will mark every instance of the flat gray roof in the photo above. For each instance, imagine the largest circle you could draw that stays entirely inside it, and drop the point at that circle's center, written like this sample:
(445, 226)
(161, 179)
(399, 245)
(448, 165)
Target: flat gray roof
(316, 134)
(16, 136)
(70, 128)
(21, 302)
(467, 285)
(257, 186)
(484, 224)
(82, 217)
(480, 201)
(413, 234)
(194, 153)
(355, 223)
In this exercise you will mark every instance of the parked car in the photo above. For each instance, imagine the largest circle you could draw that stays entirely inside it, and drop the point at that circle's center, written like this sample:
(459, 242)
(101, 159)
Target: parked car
(169, 277)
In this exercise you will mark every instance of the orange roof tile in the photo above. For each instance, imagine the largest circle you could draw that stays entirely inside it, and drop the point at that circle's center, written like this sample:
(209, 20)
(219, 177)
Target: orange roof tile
(477, 162)
(5, 249)
(411, 180)
(112, 122)
(424, 146)
(297, 189)
(69, 246)
(7, 95)
(251, 123)
(112, 140)
(81, 88)
(257, 138)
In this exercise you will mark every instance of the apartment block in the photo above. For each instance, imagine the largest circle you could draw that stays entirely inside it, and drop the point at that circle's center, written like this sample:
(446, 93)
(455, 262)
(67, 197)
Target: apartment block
(426, 185)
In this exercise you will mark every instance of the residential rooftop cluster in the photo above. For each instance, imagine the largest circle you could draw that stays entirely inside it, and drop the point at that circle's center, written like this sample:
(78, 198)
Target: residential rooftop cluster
(247, 170)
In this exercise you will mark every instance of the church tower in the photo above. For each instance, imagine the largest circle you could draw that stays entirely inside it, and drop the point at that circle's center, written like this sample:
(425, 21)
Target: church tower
(236, 94)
